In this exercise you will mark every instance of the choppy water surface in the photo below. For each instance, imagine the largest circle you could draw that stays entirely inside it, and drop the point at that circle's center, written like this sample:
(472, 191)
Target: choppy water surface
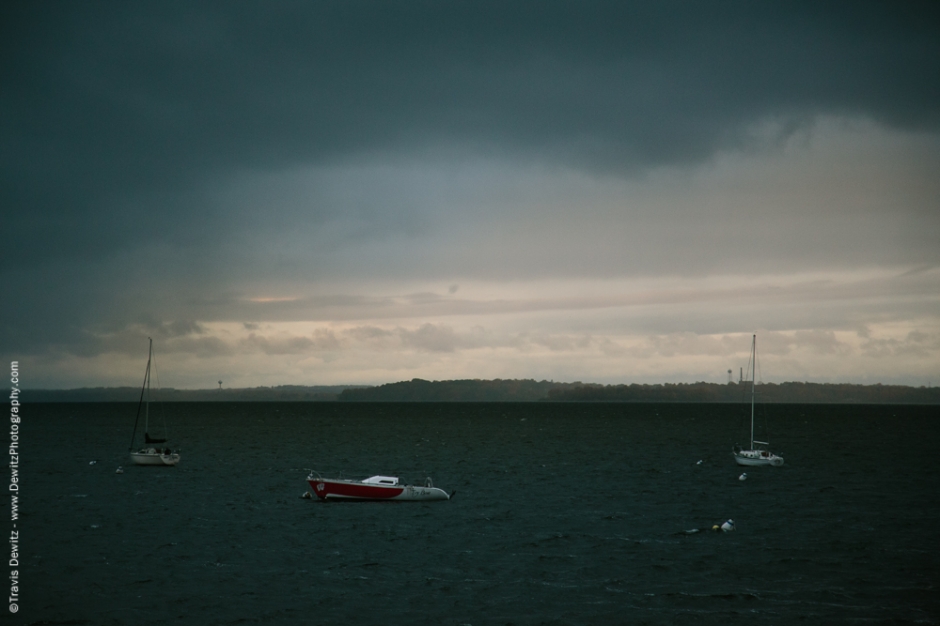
(564, 514)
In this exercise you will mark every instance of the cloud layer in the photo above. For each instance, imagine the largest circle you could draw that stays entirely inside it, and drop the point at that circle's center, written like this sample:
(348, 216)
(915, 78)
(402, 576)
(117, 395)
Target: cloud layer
(487, 189)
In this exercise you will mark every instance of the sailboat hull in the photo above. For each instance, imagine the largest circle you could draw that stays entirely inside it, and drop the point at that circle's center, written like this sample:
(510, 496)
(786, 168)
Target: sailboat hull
(150, 456)
(753, 458)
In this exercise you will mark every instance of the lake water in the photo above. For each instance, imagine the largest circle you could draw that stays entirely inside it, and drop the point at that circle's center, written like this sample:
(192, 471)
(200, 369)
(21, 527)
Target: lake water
(564, 514)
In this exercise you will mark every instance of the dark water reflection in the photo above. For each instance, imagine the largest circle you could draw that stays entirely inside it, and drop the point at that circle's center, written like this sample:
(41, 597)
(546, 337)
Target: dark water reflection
(564, 514)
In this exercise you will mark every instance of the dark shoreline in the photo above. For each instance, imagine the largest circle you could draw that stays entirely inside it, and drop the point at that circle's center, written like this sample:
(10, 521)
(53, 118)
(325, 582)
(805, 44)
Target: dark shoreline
(418, 390)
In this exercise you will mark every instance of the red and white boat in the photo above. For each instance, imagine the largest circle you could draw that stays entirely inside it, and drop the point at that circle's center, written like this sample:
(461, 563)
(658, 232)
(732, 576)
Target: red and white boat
(374, 488)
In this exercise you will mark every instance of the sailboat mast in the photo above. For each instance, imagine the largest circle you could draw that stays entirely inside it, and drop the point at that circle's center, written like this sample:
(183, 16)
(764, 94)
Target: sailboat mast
(147, 405)
(144, 389)
(753, 383)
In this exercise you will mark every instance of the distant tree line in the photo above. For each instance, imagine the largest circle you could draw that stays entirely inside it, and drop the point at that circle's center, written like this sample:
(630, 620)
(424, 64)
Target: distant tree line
(802, 393)
(517, 390)
(281, 393)
(418, 390)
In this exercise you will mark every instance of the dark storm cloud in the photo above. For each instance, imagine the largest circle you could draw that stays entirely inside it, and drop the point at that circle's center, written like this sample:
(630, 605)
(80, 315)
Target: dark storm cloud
(112, 109)
(130, 125)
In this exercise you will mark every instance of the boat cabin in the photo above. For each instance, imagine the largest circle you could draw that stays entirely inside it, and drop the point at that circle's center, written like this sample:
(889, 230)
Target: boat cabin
(381, 480)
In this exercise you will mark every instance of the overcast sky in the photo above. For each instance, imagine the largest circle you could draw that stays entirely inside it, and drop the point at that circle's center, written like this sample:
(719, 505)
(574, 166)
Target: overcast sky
(367, 192)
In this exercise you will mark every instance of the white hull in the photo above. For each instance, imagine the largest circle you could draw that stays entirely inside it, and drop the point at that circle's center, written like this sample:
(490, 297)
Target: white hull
(150, 456)
(753, 458)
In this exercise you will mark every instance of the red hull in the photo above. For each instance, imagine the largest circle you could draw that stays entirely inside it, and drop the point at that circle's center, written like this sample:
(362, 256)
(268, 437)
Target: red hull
(349, 490)
(374, 488)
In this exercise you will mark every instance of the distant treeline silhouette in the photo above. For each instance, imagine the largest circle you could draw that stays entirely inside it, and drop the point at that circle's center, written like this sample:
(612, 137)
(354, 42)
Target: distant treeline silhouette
(524, 390)
(802, 393)
(282, 393)
(418, 390)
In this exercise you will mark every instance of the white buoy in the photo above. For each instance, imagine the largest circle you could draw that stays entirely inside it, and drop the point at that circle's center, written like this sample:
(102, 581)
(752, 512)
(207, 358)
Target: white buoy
(699, 463)
(92, 462)
(728, 526)
(119, 470)
(743, 476)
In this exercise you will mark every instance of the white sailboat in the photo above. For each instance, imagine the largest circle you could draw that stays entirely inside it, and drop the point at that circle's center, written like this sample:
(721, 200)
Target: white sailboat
(755, 455)
(150, 454)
